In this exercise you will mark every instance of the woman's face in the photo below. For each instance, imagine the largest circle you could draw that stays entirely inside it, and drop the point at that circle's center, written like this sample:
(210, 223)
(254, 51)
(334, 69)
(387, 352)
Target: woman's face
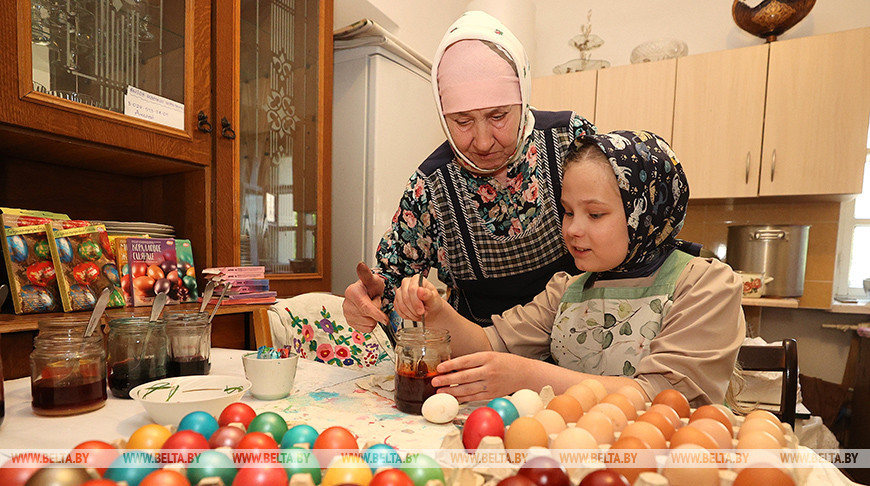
(594, 226)
(487, 136)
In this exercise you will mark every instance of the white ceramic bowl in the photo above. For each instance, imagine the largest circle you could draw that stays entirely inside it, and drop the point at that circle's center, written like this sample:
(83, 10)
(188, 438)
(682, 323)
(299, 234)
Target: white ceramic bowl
(167, 401)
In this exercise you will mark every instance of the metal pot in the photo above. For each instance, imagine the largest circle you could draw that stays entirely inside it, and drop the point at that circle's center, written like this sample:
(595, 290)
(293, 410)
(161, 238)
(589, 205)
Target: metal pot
(778, 251)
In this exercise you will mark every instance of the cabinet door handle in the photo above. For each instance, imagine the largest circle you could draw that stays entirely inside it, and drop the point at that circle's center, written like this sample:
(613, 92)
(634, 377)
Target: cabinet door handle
(747, 168)
(773, 165)
(202, 122)
(227, 129)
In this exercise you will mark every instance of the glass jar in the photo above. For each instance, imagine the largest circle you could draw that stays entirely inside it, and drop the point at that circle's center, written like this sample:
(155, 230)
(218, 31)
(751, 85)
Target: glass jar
(419, 350)
(137, 353)
(189, 335)
(67, 370)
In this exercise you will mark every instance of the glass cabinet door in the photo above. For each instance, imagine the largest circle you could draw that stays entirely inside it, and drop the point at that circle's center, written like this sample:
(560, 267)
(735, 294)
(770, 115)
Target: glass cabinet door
(274, 154)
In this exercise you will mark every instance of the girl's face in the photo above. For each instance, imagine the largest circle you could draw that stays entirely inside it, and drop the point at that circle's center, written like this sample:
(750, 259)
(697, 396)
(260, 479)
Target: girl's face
(487, 136)
(594, 226)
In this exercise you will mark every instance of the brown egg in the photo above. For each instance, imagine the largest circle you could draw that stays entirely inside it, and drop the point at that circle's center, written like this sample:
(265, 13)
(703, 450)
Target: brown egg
(668, 412)
(767, 476)
(690, 468)
(623, 403)
(763, 414)
(616, 415)
(596, 386)
(523, 433)
(584, 395)
(660, 421)
(712, 412)
(764, 426)
(635, 396)
(675, 400)
(551, 420)
(599, 425)
(728, 413)
(638, 459)
(757, 439)
(691, 435)
(646, 432)
(717, 431)
(574, 438)
(567, 406)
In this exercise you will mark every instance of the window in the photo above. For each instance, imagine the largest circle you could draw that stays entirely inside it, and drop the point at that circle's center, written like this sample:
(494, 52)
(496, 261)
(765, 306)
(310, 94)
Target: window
(853, 259)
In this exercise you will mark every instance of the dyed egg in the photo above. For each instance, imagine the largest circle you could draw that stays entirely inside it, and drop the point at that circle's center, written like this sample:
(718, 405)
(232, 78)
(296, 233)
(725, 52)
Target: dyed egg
(332, 441)
(347, 469)
(545, 470)
(144, 285)
(505, 408)
(183, 446)
(604, 477)
(381, 456)
(36, 299)
(106, 244)
(584, 395)
(200, 422)
(525, 432)
(17, 248)
(132, 467)
(41, 273)
(599, 425)
(270, 423)
(260, 474)
(422, 469)
(189, 282)
(64, 249)
(81, 297)
(155, 272)
(614, 413)
(675, 400)
(527, 402)
(566, 406)
(147, 437)
(300, 461)
(32, 221)
(551, 420)
(138, 269)
(168, 266)
(239, 412)
(94, 454)
(574, 438)
(226, 436)
(42, 250)
(116, 299)
(213, 464)
(165, 477)
(88, 250)
(73, 223)
(162, 285)
(257, 441)
(111, 273)
(298, 434)
(86, 272)
(482, 422)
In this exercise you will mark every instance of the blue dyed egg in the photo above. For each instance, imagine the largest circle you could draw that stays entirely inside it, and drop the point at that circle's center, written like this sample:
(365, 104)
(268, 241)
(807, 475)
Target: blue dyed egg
(200, 422)
(111, 273)
(81, 297)
(64, 250)
(132, 467)
(36, 299)
(382, 456)
(299, 434)
(506, 410)
(17, 248)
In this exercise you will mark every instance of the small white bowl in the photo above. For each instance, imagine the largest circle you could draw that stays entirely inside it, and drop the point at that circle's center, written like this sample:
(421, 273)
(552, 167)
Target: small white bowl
(167, 401)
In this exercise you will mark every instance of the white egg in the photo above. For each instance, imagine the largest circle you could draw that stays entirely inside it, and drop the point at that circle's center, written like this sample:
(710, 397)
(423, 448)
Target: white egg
(527, 402)
(440, 408)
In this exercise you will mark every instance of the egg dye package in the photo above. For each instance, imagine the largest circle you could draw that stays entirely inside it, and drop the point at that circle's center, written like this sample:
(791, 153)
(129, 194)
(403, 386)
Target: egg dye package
(29, 267)
(119, 244)
(187, 290)
(85, 266)
(153, 269)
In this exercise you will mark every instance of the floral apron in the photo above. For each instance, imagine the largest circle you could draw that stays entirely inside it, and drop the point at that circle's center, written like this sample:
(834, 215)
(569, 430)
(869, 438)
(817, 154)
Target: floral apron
(607, 331)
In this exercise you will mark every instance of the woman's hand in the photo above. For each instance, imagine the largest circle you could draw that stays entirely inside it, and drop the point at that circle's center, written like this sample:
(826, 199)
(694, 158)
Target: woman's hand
(482, 376)
(413, 300)
(362, 300)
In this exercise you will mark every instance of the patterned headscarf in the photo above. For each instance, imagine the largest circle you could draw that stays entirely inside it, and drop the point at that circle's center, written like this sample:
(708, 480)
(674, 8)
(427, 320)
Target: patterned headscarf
(654, 193)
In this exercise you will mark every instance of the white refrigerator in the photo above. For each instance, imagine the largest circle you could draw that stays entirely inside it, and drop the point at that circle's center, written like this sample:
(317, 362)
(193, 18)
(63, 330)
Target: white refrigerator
(384, 125)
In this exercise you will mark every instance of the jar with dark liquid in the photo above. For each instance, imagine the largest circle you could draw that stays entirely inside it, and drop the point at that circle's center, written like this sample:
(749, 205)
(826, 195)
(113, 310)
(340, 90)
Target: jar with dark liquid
(137, 353)
(419, 350)
(189, 335)
(67, 371)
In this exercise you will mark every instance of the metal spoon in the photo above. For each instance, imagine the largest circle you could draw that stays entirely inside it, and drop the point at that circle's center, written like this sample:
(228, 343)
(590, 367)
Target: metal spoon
(156, 308)
(227, 287)
(206, 294)
(4, 291)
(99, 308)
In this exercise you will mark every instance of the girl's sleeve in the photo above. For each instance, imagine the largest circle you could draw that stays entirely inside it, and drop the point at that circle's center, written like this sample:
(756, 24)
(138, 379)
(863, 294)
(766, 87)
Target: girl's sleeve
(408, 247)
(525, 329)
(696, 349)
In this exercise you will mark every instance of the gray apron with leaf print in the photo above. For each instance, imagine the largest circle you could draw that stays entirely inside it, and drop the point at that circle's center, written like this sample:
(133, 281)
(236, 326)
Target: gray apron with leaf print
(607, 330)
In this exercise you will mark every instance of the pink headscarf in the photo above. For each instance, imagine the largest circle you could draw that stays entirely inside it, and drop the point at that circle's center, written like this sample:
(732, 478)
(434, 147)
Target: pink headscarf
(472, 76)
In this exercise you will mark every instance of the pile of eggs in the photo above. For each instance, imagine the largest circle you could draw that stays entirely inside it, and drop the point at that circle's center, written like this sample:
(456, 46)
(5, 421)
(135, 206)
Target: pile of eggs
(587, 418)
(204, 449)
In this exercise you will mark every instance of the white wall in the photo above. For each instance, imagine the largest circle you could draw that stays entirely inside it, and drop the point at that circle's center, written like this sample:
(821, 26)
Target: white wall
(704, 25)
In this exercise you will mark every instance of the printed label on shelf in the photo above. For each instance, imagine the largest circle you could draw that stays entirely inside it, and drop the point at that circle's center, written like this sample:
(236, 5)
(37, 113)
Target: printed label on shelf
(148, 106)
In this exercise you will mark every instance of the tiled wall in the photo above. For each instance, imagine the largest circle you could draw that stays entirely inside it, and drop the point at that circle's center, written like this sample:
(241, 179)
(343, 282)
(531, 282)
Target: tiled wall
(707, 223)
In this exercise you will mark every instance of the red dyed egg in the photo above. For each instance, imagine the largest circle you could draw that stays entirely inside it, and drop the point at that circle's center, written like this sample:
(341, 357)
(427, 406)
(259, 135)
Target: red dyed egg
(483, 422)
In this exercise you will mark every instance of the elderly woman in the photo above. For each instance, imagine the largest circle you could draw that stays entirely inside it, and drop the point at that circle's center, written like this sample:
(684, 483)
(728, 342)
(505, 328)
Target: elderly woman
(483, 209)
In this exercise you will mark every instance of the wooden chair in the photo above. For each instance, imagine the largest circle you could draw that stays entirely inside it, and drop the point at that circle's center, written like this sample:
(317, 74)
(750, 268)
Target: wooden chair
(262, 331)
(776, 358)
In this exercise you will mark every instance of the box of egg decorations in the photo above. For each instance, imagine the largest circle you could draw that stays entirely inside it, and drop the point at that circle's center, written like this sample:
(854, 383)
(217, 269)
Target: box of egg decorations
(29, 266)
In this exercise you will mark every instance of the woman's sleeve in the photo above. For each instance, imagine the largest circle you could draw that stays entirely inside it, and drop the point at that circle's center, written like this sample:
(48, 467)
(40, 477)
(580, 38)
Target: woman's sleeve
(408, 247)
(581, 126)
(697, 346)
(525, 329)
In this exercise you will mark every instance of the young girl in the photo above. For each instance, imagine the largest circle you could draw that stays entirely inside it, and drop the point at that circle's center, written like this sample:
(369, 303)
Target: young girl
(644, 313)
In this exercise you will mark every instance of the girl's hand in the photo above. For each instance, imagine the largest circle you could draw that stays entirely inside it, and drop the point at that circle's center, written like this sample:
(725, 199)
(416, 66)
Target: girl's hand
(481, 376)
(412, 300)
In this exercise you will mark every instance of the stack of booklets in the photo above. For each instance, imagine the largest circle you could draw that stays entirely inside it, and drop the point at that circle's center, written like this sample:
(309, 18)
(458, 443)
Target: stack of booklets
(247, 285)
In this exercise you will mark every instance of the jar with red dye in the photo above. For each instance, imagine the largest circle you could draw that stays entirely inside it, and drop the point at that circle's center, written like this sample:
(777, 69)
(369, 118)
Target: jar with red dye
(419, 350)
